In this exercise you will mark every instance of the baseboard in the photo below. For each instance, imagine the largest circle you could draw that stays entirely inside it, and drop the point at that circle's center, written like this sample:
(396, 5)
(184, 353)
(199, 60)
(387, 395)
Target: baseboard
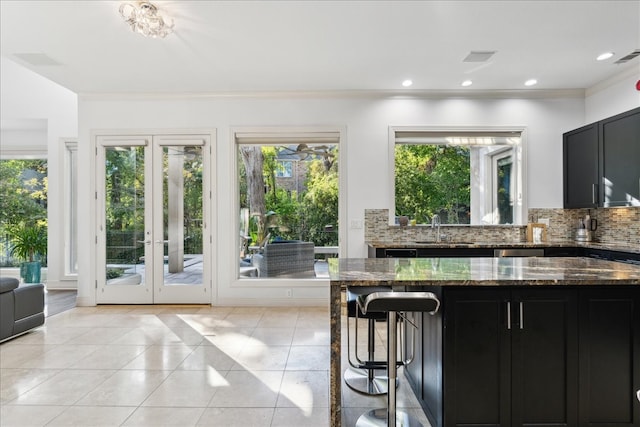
(62, 285)
(272, 302)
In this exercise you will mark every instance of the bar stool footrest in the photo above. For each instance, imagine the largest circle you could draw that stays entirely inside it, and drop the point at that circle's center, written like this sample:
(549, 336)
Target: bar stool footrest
(359, 381)
(378, 418)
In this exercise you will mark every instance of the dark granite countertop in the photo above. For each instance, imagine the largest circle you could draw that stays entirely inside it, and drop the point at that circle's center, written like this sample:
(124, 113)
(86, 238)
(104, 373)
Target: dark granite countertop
(524, 271)
(622, 247)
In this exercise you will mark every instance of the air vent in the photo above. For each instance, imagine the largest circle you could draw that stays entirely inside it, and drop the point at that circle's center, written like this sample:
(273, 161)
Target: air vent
(479, 56)
(629, 57)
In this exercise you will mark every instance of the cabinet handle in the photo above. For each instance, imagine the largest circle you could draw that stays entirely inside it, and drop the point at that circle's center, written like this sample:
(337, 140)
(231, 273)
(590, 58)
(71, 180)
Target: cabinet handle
(638, 395)
(521, 315)
(593, 193)
(508, 314)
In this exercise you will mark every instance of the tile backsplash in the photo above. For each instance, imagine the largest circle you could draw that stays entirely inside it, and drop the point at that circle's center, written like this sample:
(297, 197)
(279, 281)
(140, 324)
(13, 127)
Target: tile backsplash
(615, 226)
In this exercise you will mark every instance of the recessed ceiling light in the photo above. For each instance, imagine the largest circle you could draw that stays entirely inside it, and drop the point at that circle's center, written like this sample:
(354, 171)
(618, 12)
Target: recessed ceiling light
(467, 83)
(407, 83)
(604, 56)
(531, 82)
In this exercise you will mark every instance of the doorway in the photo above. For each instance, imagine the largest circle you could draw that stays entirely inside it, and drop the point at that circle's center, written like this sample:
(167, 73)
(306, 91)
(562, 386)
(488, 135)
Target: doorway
(153, 239)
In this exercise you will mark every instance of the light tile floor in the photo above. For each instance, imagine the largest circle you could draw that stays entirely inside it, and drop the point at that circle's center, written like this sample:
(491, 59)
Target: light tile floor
(180, 366)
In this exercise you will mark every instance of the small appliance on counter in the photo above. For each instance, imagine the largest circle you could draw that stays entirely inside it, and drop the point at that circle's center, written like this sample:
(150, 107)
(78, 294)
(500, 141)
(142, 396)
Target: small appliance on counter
(586, 227)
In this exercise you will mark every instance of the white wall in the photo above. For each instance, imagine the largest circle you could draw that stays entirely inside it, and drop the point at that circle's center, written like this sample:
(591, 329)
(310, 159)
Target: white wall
(27, 95)
(366, 120)
(16, 140)
(612, 96)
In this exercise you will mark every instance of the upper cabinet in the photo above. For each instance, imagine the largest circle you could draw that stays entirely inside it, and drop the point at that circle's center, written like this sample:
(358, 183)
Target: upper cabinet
(619, 138)
(602, 163)
(581, 167)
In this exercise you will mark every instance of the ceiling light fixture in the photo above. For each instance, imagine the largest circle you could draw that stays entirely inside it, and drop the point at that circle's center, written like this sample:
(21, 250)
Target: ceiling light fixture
(407, 83)
(604, 56)
(531, 82)
(144, 18)
(467, 83)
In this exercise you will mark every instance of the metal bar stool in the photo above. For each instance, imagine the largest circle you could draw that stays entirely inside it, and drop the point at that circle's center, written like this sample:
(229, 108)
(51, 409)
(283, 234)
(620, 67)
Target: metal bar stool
(391, 303)
(365, 376)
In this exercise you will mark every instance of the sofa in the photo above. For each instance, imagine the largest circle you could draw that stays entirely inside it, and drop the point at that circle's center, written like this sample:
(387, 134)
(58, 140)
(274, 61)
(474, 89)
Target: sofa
(21, 307)
(287, 258)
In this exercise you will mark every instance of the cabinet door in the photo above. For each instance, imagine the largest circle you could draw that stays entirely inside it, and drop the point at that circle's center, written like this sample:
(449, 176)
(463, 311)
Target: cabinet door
(620, 159)
(544, 356)
(580, 151)
(477, 358)
(609, 357)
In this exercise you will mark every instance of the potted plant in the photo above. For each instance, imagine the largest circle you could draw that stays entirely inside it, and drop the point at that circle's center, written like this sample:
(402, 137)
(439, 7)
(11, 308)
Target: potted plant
(29, 243)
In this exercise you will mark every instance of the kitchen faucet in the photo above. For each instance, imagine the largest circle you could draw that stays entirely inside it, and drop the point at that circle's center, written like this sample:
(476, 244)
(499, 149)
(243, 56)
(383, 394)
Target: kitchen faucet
(435, 222)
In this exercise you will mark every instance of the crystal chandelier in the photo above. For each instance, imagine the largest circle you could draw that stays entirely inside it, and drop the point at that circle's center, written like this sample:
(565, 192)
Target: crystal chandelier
(144, 18)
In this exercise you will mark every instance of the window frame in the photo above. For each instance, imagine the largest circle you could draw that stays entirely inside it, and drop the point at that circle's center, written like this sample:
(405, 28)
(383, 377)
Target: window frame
(492, 178)
(520, 214)
(70, 209)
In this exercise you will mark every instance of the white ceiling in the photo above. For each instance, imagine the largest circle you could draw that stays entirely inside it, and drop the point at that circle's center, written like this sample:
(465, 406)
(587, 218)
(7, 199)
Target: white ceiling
(239, 46)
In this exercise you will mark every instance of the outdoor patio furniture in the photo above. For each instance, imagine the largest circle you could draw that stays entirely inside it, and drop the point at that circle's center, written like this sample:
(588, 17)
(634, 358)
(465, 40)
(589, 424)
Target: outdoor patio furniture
(287, 258)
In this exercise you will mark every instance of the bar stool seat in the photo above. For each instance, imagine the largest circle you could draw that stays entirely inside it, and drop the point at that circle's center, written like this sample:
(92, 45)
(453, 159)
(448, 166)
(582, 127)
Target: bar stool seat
(391, 303)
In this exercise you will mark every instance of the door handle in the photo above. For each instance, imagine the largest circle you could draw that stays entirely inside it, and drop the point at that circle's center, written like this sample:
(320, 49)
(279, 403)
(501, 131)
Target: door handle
(638, 395)
(509, 315)
(521, 315)
(593, 193)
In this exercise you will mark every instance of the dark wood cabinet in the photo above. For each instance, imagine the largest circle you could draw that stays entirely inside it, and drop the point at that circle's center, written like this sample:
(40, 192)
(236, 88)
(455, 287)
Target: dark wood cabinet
(557, 251)
(392, 252)
(510, 358)
(601, 163)
(477, 361)
(513, 356)
(609, 358)
(434, 252)
(580, 173)
(619, 155)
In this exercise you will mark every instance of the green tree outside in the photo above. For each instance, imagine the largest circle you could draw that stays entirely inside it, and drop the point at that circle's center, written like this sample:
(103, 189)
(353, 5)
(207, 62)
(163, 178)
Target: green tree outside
(433, 179)
(24, 187)
(304, 216)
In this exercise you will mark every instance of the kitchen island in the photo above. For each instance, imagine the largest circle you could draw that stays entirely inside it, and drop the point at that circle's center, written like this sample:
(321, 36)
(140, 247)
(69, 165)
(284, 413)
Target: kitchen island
(535, 341)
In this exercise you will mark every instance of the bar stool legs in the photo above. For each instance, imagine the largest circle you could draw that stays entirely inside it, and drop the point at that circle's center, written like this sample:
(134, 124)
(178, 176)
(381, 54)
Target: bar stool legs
(389, 416)
(391, 303)
(365, 376)
(367, 380)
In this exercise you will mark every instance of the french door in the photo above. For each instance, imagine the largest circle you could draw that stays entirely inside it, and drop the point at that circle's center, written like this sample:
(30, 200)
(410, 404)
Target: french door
(153, 239)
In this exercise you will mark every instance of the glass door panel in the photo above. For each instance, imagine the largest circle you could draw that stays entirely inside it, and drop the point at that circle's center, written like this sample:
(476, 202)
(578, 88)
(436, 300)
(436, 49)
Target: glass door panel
(126, 241)
(179, 212)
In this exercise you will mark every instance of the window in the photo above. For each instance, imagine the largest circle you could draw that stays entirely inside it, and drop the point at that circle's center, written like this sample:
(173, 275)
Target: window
(288, 203)
(464, 176)
(284, 169)
(23, 186)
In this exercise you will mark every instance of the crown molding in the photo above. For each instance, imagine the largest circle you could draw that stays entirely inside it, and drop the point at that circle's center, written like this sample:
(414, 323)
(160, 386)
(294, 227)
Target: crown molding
(348, 94)
(613, 80)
